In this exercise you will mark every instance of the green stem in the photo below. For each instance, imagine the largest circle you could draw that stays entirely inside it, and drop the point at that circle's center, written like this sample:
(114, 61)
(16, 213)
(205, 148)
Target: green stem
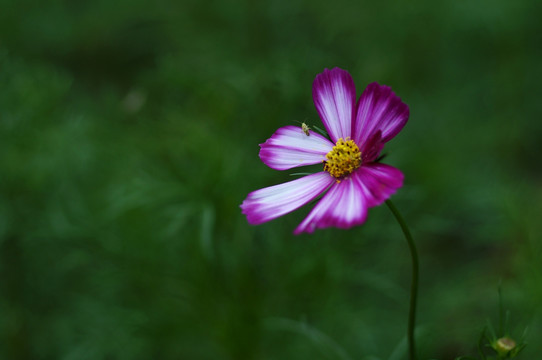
(414, 284)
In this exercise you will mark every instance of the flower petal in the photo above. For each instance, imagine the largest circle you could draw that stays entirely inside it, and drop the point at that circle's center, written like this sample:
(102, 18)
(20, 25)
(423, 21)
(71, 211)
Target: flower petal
(372, 147)
(334, 95)
(379, 109)
(378, 182)
(274, 201)
(343, 206)
(289, 147)
(346, 203)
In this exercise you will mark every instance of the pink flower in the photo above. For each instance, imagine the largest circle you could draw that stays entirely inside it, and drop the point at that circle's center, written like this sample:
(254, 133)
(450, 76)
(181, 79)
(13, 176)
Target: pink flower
(352, 180)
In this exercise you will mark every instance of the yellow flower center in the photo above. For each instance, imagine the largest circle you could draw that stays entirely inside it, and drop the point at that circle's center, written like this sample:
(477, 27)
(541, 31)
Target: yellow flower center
(343, 159)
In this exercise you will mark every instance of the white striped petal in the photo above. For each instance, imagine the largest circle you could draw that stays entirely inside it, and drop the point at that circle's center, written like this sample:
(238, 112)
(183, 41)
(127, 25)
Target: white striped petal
(334, 95)
(290, 147)
(343, 206)
(379, 109)
(274, 201)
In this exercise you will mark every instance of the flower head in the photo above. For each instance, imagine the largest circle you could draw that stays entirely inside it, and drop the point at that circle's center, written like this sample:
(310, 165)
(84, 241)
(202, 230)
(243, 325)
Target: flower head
(351, 180)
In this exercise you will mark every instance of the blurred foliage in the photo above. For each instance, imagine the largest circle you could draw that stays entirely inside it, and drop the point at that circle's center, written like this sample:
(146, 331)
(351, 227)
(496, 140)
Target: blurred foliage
(129, 136)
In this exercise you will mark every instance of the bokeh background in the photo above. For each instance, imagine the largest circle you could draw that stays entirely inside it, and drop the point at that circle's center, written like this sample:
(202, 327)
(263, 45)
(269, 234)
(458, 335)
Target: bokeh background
(129, 137)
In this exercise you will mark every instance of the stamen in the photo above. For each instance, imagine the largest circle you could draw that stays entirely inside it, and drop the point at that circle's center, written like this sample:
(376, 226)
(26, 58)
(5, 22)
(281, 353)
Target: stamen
(343, 159)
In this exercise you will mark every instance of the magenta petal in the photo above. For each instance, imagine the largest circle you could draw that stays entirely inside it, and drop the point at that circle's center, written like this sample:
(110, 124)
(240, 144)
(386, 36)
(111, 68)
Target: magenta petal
(274, 201)
(378, 182)
(334, 95)
(343, 206)
(346, 203)
(372, 147)
(289, 147)
(379, 109)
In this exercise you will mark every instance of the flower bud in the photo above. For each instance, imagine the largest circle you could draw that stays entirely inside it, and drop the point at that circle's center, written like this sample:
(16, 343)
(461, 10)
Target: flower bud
(504, 345)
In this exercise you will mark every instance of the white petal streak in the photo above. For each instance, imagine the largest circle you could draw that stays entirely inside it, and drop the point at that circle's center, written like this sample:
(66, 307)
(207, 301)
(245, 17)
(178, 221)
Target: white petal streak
(343, 206)
(274, 201)
(290, 147)
(379, 109)
(334, 95)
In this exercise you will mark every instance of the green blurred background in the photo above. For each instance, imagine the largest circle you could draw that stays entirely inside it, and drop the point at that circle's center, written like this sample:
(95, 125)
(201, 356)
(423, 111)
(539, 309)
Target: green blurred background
(129, 137)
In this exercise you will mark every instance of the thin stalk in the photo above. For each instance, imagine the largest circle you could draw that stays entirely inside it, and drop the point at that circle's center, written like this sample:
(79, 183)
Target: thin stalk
(414, 284)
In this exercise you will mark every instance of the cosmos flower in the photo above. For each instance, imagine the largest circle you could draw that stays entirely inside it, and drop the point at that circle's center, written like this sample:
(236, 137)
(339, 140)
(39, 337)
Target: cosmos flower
(352, 180)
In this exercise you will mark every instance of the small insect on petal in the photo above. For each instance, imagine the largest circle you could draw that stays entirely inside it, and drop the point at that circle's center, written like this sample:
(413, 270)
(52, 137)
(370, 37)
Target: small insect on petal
(305, 128)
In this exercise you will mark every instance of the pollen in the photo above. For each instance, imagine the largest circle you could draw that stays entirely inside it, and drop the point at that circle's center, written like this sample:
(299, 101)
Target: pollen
(343, 159)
